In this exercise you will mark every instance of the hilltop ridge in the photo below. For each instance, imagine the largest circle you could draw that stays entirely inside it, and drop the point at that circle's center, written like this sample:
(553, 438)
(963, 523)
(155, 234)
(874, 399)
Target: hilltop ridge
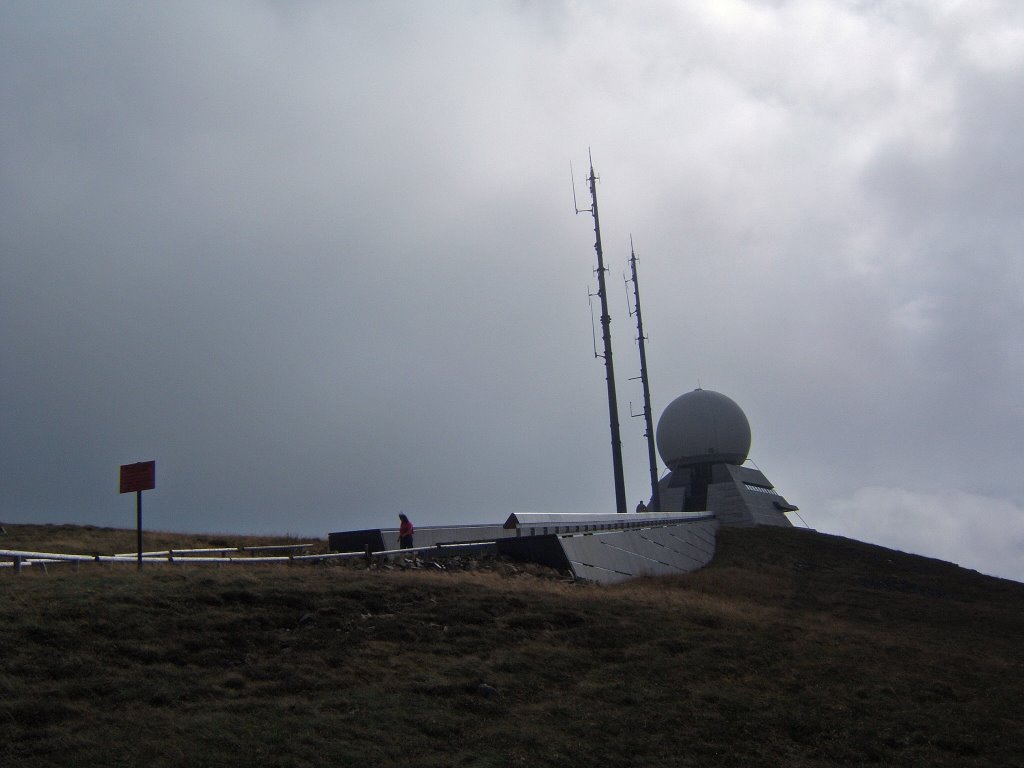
(791, 648)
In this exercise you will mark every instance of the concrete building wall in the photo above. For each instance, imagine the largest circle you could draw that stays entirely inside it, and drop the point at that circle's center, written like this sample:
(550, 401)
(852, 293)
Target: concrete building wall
(764, 505)
(608, 548)
(738, 496)
(619, 555)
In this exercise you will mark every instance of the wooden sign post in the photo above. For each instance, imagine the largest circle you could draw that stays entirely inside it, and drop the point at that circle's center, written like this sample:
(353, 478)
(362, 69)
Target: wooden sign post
(138, 477)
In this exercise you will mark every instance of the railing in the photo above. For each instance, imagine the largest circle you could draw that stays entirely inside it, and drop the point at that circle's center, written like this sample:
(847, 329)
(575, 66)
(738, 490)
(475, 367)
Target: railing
(18, 559)
(539, 524)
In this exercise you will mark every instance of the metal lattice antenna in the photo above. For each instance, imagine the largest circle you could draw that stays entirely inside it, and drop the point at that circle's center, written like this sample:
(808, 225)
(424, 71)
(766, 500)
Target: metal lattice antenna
(647, 413)
(606, 321)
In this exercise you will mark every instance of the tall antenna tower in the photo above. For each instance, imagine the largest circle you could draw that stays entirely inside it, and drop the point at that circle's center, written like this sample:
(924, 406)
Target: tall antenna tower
(606, 322)
(648, 421)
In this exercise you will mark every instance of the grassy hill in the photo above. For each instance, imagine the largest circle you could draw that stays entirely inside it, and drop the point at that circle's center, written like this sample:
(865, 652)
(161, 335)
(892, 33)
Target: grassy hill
(791, 649)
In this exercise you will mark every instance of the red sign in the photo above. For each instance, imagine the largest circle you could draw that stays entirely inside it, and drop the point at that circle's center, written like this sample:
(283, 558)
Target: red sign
(138, 477)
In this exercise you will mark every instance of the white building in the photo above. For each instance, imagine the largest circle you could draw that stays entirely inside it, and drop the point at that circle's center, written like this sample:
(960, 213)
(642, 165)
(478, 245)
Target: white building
(704, 438)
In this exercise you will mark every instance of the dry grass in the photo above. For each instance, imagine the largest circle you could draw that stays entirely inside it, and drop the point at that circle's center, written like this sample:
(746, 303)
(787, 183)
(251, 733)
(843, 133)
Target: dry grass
(791, 649)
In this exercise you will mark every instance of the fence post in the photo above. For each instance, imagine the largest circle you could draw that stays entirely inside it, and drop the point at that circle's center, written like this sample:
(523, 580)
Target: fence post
(17, 565)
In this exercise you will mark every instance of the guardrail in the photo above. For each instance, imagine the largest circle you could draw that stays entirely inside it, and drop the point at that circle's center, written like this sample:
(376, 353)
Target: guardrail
(18, 559)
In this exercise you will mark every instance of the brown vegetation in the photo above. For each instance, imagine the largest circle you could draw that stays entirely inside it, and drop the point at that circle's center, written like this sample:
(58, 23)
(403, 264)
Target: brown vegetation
(792, 648)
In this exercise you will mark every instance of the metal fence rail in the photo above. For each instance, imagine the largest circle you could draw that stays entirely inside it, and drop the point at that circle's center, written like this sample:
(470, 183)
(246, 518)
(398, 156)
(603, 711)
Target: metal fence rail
(18, 559)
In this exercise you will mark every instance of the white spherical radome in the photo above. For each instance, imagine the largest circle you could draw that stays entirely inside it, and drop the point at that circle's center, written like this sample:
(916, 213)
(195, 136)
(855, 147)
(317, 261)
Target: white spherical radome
(703, 427)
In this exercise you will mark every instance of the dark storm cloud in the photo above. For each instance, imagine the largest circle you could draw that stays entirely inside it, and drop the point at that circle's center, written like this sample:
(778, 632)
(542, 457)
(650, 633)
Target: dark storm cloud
(320, 262)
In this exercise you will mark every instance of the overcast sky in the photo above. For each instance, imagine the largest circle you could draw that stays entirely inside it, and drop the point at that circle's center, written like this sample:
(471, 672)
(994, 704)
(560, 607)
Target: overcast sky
(319, 260)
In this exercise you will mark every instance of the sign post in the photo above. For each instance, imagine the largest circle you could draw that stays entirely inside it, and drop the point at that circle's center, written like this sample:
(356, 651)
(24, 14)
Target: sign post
(138, 477)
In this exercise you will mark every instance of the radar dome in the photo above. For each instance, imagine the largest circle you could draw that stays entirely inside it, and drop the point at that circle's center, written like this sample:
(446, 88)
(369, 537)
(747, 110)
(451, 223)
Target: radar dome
(703, 427)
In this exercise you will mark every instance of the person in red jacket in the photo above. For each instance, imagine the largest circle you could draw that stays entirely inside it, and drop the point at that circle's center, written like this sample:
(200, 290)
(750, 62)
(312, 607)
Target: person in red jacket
(404, 532)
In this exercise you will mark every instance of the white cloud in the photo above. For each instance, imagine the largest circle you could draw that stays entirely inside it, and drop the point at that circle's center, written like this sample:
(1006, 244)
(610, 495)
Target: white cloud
(978, 532)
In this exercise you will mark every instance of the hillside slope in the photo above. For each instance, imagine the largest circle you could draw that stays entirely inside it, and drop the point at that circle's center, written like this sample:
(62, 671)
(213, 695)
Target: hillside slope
(792, 648)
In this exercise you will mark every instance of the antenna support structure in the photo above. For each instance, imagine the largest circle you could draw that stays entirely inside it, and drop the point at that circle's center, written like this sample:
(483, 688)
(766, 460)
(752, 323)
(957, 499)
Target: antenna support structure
(606, 321)
(648, 420)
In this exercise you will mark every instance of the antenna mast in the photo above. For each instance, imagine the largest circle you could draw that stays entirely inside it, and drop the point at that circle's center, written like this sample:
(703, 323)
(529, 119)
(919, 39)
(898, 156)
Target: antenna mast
(648, 422)
(606, 321)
